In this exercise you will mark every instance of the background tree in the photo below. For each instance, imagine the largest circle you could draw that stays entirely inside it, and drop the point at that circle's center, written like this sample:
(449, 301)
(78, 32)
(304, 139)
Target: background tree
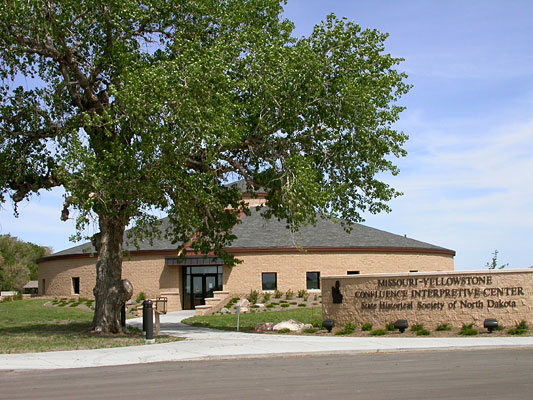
(493, 263)
(143, 104)
(18, 262)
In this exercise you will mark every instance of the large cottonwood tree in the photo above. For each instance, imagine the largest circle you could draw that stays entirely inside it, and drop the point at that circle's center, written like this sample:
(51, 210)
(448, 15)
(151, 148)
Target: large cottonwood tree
(135, 105)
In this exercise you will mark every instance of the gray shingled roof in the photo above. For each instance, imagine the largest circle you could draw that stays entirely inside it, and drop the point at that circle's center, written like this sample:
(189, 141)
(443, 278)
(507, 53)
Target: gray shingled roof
(256, 232)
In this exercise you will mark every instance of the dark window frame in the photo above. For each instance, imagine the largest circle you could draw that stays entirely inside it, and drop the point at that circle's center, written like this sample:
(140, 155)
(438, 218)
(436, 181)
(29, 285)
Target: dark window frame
(275, 274)
(76, 285)
(307, 280)
(353, 272)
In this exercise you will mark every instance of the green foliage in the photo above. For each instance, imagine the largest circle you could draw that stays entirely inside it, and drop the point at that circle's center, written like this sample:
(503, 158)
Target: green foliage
(390, 327)
(266, 297)
(285, 305)
(317, 323)
(232, 302)
(378, 332)
(520, 329)
(140, 297)
(135, 106)
(284, 330)
(348, 329)
(366, 327)
(289, 294)
(253, 296)
(310, 330)
(302, 305)
(302, 293)
(493, 263)
(417, 327)
(444, 327)
(423, 332)
(277, 294)
(17, 262)
(468, 330)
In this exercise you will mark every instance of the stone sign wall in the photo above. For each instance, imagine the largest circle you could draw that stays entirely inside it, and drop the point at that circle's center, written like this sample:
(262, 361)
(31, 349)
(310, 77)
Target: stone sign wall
(431, 299)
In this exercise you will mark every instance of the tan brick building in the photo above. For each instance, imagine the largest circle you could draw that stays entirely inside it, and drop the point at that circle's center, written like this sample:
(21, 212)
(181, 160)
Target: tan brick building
(273, 258)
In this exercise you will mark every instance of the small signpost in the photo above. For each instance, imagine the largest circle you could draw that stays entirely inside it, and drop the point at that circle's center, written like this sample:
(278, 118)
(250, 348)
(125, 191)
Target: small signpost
(238, 310)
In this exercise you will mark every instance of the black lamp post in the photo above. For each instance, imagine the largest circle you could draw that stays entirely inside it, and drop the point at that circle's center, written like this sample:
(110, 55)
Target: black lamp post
(490, 324)
(401, 325)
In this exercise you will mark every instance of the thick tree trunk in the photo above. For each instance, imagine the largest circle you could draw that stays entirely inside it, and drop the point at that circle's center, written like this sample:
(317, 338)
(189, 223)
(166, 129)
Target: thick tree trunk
(110, 292)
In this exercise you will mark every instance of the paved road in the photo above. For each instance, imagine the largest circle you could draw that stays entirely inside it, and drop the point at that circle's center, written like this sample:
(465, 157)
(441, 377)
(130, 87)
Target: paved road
(479, 374)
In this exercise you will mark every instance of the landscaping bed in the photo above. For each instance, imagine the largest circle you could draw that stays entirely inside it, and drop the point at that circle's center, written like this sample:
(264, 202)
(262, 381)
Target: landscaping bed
(306, 308)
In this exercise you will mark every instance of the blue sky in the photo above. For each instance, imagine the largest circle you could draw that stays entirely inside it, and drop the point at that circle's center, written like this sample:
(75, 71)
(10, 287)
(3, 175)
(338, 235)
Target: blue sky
(468, 177)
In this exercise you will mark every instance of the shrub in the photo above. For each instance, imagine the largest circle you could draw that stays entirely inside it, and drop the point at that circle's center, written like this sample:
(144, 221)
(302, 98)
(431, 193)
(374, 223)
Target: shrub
(315, 297)
(283, 301)
(285, 305)
(366, 327)
(317, 323)
(253, 296)
(302, 305)
(444, 327)
(302, 293)
(390, 327)
(293, 303)
(468, 330)
(254, 306)
(275, 303)
(233, 301)
(350, 326)
(140, 297)
(422, 332)
(270, 305)
(310, 330)
(314, 303)
(348, 329)
(266, 297)
(519, 329)
(306, 296)
(378, 332)
(289, 294)
(417, 327)
(277, 294)
(18, 296)
(284, 330)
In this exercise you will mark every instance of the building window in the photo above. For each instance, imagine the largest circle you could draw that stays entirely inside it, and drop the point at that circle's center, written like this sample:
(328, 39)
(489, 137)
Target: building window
(76, 285)
(270, 281)
(353, 272)
(313, 280)
(413, 270)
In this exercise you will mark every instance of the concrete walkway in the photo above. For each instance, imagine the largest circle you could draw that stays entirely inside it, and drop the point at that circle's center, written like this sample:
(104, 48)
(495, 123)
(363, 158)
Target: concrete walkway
(205, 344)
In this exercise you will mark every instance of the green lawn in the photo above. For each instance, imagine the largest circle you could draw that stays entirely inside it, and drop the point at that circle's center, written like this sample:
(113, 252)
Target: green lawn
(249, 320)
(29, 326)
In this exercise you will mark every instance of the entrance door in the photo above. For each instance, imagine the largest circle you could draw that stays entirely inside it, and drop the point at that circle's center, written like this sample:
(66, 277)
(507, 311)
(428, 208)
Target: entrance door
(199, 283)
(203, 287)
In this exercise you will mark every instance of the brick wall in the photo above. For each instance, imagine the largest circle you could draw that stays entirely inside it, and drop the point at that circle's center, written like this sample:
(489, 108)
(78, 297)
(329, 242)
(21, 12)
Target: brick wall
(148, 273)
(291, 268)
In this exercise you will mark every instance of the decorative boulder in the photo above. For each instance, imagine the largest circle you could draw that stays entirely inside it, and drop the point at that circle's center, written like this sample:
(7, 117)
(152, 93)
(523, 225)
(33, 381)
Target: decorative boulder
(266, 327)
(224, 310)
(292, 325)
